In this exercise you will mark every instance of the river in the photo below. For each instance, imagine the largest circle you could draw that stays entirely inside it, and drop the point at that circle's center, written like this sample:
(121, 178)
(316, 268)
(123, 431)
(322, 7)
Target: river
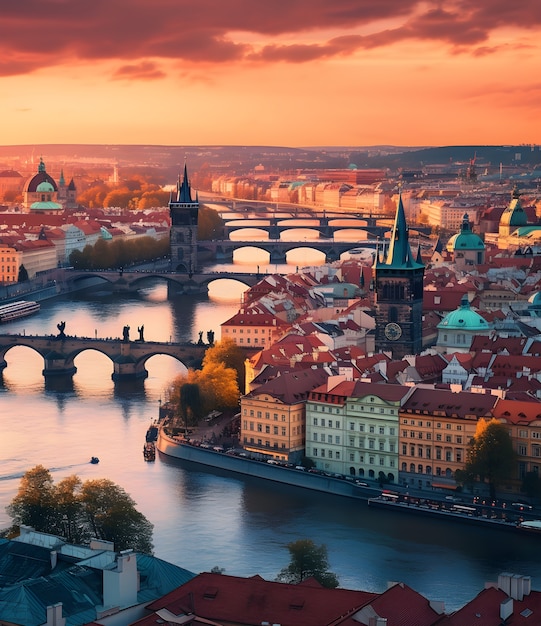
(203, 518)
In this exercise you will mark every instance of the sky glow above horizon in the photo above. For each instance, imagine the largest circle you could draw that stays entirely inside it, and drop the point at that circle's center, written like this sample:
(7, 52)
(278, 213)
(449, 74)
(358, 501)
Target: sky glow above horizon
(292, 73)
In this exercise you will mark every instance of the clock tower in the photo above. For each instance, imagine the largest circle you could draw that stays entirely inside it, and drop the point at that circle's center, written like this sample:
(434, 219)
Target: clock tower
(184, 213)
(398, 285)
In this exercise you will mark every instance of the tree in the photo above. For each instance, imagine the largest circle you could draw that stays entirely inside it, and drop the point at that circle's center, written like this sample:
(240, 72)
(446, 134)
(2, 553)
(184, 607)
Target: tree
(80, 511)
(111, 514)
(227, 352)
(33, 504)
(23, 274)
(190, 404)
(307, 561)
(491, 457)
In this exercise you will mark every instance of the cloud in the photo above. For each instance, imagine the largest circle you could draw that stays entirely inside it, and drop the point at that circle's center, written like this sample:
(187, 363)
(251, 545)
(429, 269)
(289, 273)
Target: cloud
(140, 71)
(132, 32)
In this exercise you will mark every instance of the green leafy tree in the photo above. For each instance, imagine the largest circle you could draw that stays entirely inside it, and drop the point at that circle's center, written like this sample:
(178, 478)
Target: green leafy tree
(111, 514)
(190, 404)
(80, 511)
(23, 274)
(209, 224)
(308, 561)
(491, 457)
(33, 504)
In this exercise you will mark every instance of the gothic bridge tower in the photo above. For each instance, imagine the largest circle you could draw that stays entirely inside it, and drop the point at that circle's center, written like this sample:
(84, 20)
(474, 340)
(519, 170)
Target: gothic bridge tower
(398, 285)
(184, 216)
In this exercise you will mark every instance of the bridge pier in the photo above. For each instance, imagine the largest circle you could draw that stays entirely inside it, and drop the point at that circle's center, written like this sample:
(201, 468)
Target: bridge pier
(126, 366)
(57, 366)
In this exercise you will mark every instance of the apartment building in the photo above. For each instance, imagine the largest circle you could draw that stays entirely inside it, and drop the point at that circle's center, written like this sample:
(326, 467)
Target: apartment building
(273, 416)
(436, 426)
(352, 428)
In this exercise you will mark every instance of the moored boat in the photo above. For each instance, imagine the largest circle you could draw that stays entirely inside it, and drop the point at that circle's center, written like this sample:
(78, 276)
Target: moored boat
(149, 451)
(16, 310)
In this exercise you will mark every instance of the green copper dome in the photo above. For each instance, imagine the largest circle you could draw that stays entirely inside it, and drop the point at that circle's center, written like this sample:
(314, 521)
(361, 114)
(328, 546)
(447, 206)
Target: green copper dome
(464, 319)
(465, 239)
(45, 187)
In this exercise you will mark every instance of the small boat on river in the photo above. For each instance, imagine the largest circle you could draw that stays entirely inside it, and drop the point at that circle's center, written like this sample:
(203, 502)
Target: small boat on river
(94, 460)
(149, 451)
(152, 433)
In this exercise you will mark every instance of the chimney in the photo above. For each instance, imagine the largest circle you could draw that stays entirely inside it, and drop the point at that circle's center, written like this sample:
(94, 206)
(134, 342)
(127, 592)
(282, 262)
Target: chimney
(54, 615)
(506, 609)
(120, 585)
(54, 559)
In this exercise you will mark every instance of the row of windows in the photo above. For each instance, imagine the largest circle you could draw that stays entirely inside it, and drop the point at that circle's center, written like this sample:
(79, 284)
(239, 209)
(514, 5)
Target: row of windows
(522, 449)
(329, 454)
(314, 407)
(294, 416)
(267, 429)
(372, 409)
(420, 469)
(421, 424)
(372, 444)
(8, 260)
(248, 331)
(9, 269)
(259, 442)
(426, 452)
(439, 437)
(329, 438)
(382, 460)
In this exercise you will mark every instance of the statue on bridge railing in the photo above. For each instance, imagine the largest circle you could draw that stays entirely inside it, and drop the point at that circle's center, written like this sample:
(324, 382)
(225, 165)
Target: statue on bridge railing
(141, 330)
(200, 342)
(210, 337)
(61, 328)
(126, 333)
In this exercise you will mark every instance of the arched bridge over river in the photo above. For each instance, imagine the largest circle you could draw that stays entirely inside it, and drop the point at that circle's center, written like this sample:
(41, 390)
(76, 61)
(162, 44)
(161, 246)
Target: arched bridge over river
(128, 357)
(127, 280)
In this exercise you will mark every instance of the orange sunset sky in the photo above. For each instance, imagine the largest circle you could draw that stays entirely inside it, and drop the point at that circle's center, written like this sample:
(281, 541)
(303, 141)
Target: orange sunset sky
(272, 72)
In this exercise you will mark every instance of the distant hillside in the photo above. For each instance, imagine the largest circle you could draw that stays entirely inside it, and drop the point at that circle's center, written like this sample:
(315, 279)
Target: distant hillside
(484, 155)
(242, 159)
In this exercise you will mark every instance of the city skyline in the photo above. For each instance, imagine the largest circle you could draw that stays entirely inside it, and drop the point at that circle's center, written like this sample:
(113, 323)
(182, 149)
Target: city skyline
(351, 72)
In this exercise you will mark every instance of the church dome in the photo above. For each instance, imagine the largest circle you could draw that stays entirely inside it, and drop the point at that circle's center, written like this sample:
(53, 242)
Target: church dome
(466, 239)
(47, 205)
(32, 184)
(45, 187)
(514, 214)
(464, 319)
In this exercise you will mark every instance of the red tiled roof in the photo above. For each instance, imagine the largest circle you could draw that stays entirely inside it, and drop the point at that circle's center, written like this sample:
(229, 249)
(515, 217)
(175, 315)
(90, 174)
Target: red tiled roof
(516, 411)
(449, 404)
(249, 601)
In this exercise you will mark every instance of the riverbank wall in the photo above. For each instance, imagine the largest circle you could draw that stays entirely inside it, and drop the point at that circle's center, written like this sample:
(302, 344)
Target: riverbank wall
(260, 469)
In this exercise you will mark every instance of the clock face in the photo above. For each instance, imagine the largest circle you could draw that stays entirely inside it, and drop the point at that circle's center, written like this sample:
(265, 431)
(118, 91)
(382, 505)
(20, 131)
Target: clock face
(393, 331)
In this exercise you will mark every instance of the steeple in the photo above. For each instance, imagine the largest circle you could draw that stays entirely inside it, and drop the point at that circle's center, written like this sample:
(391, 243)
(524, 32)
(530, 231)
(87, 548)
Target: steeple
(62, 180)
(184, 192)
(399, 253)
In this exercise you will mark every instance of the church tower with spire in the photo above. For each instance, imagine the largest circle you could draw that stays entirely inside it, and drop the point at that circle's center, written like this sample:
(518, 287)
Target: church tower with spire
(398, 286)
(184, 212)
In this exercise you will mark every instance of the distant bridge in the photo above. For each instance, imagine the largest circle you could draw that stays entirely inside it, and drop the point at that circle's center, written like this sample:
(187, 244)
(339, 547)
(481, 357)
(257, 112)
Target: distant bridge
(278, 249)
(128, 357)
(124, 280)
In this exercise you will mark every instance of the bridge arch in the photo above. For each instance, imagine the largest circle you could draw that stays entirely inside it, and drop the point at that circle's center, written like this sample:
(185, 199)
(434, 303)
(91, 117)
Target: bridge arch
(128, 357)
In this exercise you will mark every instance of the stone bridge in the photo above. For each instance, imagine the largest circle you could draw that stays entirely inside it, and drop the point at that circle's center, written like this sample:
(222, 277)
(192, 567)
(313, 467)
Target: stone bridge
(125, 280)
(128, 357)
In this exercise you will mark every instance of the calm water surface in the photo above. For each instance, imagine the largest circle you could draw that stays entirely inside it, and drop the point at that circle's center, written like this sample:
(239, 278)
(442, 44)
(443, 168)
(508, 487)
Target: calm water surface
(204, 518)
